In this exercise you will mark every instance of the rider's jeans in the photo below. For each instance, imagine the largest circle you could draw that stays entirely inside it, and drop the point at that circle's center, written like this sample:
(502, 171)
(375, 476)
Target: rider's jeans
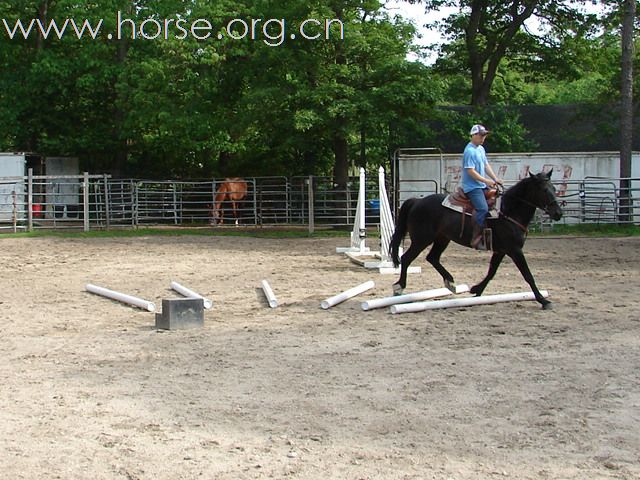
(479, 202)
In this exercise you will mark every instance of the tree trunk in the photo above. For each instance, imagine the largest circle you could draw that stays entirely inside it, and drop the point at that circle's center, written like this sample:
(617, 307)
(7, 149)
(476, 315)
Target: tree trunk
(43, 9)
(341, 166)
(626, 114)
(485, 56)
(363, 147)
(340, 174)
(119, 165)
(118, 168)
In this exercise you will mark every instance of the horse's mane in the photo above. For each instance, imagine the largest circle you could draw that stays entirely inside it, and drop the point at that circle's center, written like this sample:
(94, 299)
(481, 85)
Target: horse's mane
(522, 193)
(519, 189)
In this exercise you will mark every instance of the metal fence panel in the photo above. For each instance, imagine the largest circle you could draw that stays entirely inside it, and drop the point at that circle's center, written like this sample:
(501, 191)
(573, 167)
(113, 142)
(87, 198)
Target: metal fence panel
(99, 202)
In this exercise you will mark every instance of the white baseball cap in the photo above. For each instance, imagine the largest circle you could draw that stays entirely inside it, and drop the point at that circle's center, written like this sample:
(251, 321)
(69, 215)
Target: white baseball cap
(478, 129)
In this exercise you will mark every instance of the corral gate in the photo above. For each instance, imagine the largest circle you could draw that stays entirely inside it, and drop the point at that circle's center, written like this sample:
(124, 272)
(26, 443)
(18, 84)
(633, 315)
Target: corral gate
(588, 182)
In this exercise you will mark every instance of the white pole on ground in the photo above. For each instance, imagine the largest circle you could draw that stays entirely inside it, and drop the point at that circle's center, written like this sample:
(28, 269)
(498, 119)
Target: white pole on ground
(412, 297)
(121, 297)
(347, 294)
(182, 290)
(465, 302)
(268, 292)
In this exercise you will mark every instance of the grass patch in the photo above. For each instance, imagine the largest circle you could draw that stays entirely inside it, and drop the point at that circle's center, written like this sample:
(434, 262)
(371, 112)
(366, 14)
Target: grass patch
(587, 230)
(593, 230)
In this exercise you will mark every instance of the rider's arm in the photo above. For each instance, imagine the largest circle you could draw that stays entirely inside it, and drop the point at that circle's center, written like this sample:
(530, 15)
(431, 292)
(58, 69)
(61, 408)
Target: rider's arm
(489, 170)
(476, 176)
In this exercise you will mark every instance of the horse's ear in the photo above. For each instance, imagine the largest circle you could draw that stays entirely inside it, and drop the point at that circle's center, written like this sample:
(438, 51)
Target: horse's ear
(549, 174)
(531, 175)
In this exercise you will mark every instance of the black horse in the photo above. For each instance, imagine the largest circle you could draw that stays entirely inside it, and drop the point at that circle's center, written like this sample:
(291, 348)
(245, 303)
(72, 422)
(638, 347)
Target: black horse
(427, 221)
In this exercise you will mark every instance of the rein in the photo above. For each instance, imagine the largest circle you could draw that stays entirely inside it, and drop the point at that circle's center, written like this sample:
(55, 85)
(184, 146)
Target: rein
(544, 208)
(518, 224)
(515, 222)
(501, 193)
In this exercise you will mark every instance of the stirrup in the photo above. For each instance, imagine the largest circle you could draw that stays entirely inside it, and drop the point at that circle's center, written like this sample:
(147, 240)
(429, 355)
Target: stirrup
(487, 234)
(477, 243)
(483, 241)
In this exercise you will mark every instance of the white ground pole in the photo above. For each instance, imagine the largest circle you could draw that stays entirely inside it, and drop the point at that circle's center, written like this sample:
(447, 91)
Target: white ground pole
(121, 297)
(359, 233)
(347, 294)
(465, 302)
(182, 290)
(383, 262)
(412, 297)
(268, 292)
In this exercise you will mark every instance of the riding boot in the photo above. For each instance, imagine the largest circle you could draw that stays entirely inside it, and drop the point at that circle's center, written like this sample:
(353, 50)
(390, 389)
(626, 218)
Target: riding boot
(477, 237)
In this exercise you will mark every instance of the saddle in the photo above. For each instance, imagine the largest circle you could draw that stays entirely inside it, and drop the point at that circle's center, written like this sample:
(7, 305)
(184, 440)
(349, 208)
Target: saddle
(459, 202)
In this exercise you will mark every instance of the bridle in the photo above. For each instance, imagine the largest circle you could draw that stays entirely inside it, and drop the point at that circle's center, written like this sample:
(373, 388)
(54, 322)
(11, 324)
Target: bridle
(544, 208)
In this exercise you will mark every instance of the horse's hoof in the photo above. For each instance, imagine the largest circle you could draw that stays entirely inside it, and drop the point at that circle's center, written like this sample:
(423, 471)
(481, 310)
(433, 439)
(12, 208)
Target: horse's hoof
(547, 306)
(451, 286)
(475, 291)
(397, 290)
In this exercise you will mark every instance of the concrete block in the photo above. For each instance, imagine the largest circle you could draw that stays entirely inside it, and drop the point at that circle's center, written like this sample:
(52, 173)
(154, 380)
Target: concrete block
(180, 313)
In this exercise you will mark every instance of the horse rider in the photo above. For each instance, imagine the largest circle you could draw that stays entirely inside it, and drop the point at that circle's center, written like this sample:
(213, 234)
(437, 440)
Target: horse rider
(477, 177)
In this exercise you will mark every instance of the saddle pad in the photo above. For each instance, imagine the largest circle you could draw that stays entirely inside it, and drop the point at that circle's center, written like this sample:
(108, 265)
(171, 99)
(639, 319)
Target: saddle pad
(493, 212)
(458, 208)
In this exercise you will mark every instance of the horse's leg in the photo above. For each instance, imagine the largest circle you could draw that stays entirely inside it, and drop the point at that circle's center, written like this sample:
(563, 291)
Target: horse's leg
(518, 258)
(407, 257)
(234, 211)
(433, 258)
(496, 259)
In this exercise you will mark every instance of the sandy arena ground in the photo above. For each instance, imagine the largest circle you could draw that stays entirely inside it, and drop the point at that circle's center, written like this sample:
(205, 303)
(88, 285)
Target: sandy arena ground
(91, 390)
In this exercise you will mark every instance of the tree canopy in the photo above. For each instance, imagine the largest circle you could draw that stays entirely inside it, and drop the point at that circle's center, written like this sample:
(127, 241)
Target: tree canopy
(195, 88)
(247, 100)
(537, 38)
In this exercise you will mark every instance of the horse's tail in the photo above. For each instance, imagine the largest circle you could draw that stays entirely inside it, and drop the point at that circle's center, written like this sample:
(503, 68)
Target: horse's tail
(400, 230)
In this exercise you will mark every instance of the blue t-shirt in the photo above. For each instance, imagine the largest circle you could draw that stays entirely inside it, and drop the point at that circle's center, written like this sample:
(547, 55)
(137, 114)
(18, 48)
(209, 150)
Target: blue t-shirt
(476, 158)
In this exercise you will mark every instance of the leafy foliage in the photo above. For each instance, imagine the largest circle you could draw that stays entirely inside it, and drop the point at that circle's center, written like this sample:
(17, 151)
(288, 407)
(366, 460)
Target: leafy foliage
(195, 107)
(276, 105)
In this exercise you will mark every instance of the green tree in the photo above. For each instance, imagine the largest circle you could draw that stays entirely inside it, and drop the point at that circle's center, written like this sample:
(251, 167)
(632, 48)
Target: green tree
(483, 33)
(628, 8)
(195, 107)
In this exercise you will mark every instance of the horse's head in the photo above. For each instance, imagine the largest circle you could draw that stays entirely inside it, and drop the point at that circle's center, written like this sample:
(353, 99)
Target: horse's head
(544, 196)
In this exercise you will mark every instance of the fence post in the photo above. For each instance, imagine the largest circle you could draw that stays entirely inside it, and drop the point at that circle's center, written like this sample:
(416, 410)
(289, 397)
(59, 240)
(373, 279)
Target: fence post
(256, 217)
(625, 214)
(287, 199)
(582, 194)
(174, 192)
(85, 200)
(30, 199)
(136, 205)
(310, 206)
(107, 210)
(14, 216)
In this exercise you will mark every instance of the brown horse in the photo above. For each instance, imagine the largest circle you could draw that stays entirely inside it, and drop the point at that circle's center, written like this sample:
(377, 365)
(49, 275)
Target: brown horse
(229, 194)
